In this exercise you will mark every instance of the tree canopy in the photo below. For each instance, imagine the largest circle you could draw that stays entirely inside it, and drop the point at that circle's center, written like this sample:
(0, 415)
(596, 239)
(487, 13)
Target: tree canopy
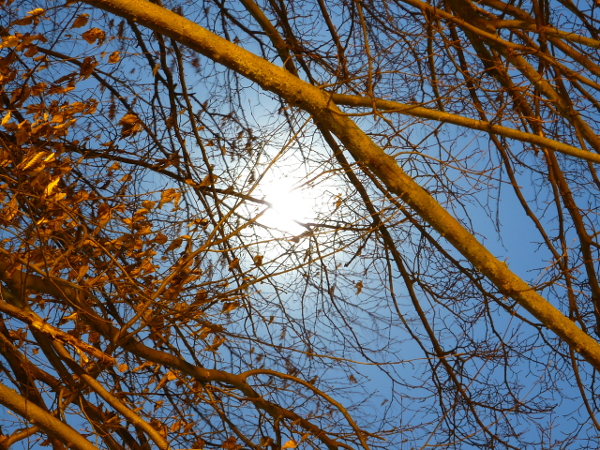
(299, 224)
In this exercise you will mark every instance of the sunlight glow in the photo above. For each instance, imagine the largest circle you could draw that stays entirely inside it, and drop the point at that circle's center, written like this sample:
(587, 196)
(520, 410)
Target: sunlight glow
(290, 203)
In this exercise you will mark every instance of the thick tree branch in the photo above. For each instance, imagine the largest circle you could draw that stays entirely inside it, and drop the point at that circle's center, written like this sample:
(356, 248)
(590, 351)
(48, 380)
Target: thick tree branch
(320, 105)
(444, 117)
(46, 421)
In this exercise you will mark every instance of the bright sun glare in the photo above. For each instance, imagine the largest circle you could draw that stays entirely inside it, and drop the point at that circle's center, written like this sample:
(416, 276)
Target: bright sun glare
(290, 204)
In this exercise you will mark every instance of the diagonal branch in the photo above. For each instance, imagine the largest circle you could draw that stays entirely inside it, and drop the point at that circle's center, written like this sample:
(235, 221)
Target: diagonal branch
(43, 419)
(320, 105)
(474, 124)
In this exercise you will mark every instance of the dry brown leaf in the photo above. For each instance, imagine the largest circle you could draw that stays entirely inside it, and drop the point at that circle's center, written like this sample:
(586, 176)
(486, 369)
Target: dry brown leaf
(114, 57)
(94, 34)
(130, 124)
(81, 21)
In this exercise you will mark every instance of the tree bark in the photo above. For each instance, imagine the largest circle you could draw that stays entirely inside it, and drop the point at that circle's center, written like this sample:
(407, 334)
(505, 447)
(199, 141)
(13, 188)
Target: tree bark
(46, 421)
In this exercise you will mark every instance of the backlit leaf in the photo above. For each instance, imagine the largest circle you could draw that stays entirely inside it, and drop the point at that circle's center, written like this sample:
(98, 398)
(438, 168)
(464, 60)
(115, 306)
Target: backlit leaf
(130, 124)
(168, 196)
(114, 57)
(32, 160)
(94, 34)
(81, 21)
(37, 12)
(10, 41)
(6, 118)
(52, 185)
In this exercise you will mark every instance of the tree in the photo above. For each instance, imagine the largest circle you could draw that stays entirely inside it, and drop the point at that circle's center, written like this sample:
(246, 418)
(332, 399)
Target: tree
(146, 302)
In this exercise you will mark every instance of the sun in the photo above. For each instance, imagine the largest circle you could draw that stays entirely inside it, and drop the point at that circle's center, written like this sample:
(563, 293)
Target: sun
(291, 204)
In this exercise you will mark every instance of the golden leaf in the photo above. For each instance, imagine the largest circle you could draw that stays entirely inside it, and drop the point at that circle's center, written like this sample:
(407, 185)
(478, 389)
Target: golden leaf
(168, 196)
(6, 118)
(52, 185)
(161, 383)
(123, 367)
(289, 444)
(94, 34)
(114, 57)
(37, 12)
(80, 21)
(10, 41)
(143, 366)
(77, 107)
(31, 161)
(131, 124)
